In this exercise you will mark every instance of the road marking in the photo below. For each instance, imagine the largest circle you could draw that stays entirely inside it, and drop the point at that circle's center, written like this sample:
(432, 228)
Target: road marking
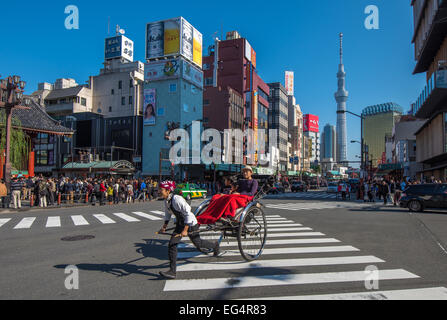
(53, 222)
(288, 229)
(103, 219)
(147, 216)
(409, 294)
(79, 221)
(207, 236)
(282, 280)
(281, 263)
(160, 213)
(275, 251)
(126, 217)
(273, 242)
(26, 223)
(3, 221)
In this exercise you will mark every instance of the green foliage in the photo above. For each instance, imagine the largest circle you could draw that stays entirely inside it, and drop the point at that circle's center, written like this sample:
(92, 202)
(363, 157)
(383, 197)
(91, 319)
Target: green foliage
(19, 142)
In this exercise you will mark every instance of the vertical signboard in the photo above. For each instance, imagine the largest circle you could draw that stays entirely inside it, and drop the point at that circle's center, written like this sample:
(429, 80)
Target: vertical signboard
(253, 58)
(187, 40)
(247, 51)
(198, 44)
(119, 47)
(155, 40)
(290, 83)
(255, 121)
(149, 118)
(172, 37)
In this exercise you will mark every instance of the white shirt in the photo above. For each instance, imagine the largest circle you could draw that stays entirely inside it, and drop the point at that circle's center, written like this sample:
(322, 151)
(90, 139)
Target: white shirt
(179, 204)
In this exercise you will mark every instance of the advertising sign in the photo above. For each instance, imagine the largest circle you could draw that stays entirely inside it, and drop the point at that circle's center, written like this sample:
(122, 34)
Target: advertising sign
(149, 118)
(187, 40)
(117, 47)
(247, 50)
(172, 37)
(155, 39)
(290, 83)
(311, 123)
(162, 70)
(192, 74)
(253, 58)
(198, 43)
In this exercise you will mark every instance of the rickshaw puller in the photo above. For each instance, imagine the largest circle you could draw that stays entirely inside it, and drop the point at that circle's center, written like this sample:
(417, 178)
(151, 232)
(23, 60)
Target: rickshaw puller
(186, 226)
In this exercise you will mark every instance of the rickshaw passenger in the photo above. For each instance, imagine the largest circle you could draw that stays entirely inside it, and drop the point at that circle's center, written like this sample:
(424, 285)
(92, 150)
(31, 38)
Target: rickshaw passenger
(247, 186)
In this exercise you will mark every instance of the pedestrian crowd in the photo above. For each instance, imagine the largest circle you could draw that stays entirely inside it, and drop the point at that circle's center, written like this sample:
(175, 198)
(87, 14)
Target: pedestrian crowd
(44, 192)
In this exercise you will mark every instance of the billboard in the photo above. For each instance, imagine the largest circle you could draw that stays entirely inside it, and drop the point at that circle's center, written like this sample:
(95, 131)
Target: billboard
(290, 83)
(250, 53)
(149, 118)
(174, 37)
(192, 74)
(198, 43)
(162, 70)
(311, 123)
(119, 47)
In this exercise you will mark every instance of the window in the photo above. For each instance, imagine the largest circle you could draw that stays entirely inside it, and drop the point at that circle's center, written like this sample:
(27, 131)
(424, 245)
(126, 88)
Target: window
(130, 100)
(112, 92)
(84, 102)
(173, 87)
(185, 108)
(123, 101)
(110, 109)
(120, 84)
(208, 81)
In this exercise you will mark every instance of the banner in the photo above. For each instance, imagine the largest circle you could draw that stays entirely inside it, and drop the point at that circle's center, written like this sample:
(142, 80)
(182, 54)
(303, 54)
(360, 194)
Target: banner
(198, 43)
(190, 73)
(290, 83)
(155, 39)
(172, 37)
(149, 107)
(187, 40)
(117, 47)
(162, 70)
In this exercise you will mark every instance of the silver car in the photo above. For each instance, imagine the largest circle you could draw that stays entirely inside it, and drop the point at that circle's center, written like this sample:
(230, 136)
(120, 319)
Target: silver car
(332, 188)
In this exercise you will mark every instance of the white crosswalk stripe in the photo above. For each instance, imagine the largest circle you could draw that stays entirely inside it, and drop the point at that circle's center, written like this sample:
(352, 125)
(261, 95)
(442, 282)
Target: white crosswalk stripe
(313, 206)
(4, 221)
(126, 217)
(103, 219)
(284, 249)
(147, 216)
(79, 221)
(25, 223)
(160, 213)
(53, 222)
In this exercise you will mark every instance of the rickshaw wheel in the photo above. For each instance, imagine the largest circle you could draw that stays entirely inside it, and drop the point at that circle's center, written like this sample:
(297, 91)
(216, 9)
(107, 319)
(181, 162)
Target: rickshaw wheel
(252, 234)
(215, 235)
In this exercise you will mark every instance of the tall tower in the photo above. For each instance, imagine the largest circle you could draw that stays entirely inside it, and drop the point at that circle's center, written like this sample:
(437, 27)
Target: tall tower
(341, 96)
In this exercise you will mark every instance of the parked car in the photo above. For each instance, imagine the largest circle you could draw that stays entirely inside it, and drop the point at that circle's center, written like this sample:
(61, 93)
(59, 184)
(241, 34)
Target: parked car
(332, 187)
(191, 191)
(277, 188)
(419, 197)
(298, 187)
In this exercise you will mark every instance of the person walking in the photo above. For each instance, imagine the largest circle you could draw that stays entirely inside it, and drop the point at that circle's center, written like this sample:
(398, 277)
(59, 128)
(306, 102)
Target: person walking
(384, 191)
(43, 193)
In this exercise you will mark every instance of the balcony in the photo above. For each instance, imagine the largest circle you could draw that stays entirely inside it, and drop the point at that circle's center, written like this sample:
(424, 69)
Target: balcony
(428, 40)
(433, 96)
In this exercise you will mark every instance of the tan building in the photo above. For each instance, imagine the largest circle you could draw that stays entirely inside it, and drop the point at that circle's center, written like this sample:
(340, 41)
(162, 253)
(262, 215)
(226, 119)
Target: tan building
(295, 133)
(430, 44)
(378, 124)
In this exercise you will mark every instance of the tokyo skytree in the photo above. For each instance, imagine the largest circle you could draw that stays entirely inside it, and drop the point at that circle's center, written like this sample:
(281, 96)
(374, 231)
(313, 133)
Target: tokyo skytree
(341, 96)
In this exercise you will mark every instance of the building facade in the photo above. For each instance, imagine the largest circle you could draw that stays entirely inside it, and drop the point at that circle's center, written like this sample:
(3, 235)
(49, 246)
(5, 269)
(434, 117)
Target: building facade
(430, 48)
(311, 130)
(296, 133)
(278, 119)
(378, 124)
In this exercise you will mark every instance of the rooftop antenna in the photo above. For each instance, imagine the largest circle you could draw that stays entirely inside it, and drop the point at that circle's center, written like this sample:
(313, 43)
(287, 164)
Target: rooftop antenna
(341, 48)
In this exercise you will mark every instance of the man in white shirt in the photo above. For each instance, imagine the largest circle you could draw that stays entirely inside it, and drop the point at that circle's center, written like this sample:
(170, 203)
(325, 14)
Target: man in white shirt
(186, 226)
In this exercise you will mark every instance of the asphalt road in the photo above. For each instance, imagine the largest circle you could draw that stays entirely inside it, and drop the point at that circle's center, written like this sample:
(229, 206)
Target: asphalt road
(317, 248)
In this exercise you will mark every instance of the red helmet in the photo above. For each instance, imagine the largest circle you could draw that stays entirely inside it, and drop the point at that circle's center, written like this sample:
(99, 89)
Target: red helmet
(168, 185)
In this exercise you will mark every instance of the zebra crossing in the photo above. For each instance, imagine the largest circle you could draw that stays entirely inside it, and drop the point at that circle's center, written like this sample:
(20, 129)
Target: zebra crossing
(315, 206)
(287, 245)
(54, 222)
(303, 195)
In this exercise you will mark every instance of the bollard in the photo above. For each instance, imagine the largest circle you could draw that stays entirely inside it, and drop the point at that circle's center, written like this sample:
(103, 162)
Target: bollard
(86, 197)
(31, 200)
(59, 199)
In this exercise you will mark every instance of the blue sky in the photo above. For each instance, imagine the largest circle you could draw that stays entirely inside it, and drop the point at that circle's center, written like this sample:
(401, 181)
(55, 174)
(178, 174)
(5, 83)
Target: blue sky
(299, 35)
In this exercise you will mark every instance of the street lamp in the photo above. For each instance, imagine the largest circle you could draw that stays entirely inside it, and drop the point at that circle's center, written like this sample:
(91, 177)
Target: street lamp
(362, 117)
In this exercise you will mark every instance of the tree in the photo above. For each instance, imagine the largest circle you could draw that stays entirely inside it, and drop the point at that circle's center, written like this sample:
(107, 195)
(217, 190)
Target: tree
(19, 142)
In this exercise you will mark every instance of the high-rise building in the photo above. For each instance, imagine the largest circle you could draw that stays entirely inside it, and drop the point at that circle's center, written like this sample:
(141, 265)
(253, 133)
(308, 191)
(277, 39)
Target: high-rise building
(296, 133)
(378, 124)
(328, 143)
(430, 44)
(341, 96)
(278, 119)
(173, 96)
(230, 68)
(311, 130)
